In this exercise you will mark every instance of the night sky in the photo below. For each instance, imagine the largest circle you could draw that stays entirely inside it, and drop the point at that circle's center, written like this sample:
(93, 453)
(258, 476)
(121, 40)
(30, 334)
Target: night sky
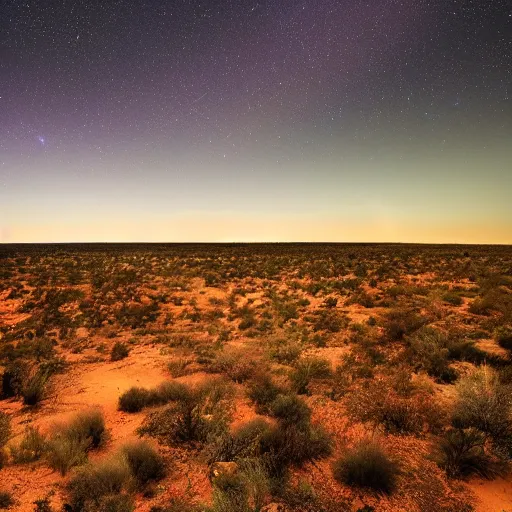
(320, 120)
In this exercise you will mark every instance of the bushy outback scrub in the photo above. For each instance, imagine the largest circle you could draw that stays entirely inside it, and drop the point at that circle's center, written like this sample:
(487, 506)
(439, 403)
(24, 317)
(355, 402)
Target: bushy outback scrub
(194, 413)
(479, 440)
(69, 443)
(110, 484)
(367, 465)
(261, 454)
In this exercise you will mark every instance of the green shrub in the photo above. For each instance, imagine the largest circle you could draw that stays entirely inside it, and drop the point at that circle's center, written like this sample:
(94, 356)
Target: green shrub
(367, 466)
(66, 452)
(462, 453)
(483, 403)
(262, 392)
(402, 322)
(230, 494)
(145, 463)
(285, 446)
(5, 428)
(453, 298)
(243, 443)
(285, 352)
(31, 448)
(119, 351)
(307, 369)
(135, 399)
(197, 413)
(428, 351)
(69, 445)
(93, 486)
(6, 500)
(290, 410)
(503, 336)
(88, 425)
(34, 389)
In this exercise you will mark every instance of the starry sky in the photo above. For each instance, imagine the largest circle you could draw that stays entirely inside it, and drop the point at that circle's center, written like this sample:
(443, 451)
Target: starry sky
(264, 120)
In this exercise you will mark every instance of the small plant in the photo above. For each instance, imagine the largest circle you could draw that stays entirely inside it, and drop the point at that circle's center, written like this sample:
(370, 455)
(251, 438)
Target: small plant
(69, 445)
(31, 448)
(307, 369)
(368, 466)
(6, 500)
(503, 336)
(290, 410)
(5, 428)
(96, 485)
(462, 453)
(402, 322)
(145, 463)
(119, 351)
(135, 399)
(262, 392)
(484, 404)
(66, 452)
(34, 389)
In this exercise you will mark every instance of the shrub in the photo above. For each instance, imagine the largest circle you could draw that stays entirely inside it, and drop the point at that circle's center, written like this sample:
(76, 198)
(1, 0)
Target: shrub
(329, 320)
(262, 392)
(290, 410)
(285, 352)
(382, 405)
(5, 428)
(230, 494)
(285, 446)
(306, 370)
(119, 351)
(34, 389)
(503, 336)
(69, 445)
(452, 298)
(429, 352)
(368, 466)
(197, 413)
(134, 400)
(66, 452)
(32, 447)
(13, 378)
(96, 485)
(402, 322)
(484, 403)
(145, 463)
(90, 426)
(462, 453)
(6, 499)
(243, 443)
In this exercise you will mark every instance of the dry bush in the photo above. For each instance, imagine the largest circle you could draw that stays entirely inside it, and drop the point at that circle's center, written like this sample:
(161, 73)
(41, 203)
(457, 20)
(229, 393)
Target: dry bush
(380, 404)
(70, 443)
(31, 448)
(368, 466)
(485, 404)
(402, 322)
(198, 412)
(461, 453)
(306, 370)
(119, 351)
(145, 463)
(95, 484)
(262, 391)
